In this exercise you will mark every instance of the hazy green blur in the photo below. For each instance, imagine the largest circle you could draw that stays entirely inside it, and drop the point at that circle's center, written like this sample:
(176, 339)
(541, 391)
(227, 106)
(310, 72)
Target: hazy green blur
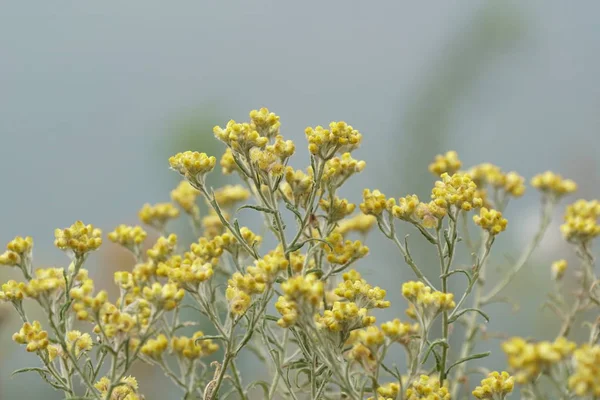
(95, 97)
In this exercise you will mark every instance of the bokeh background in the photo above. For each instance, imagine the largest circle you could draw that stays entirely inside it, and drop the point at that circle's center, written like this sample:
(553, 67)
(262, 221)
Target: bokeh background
(95, 96)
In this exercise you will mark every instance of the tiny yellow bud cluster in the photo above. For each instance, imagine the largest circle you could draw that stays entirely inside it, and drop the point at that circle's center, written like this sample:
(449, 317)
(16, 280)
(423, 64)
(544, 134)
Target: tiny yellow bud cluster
(240, 137)
(344, 317)
(229, 195)
(339, 169)
(272, 159)
(163, 248)
(17, 250)
(240, 288)
(445, 163)
(33, 336)
(154, 348)
(581, 221)
(389, 390)
(127, 390)
(490, 220)
(337, 208)
(302, 295)
(356, 289)
(343, 252)
(491, 175)
(558, 269)
(185, 196)
(366, 343)
(374, 203)
(427, 302)
(193, 166)
(130, 237)
(456, 190)
(529, 359)
(339, 138)
(46, 281)
(78, 238)
(194, 347)
(553, 184)
(158, 215)
(228, 164)
(81, 342)
(427, 388)
(265, 122)
(164, 297)
(13, 291)
(297, 186)
(359, 223)
(401, 332)
(495, 387)
(584, 381)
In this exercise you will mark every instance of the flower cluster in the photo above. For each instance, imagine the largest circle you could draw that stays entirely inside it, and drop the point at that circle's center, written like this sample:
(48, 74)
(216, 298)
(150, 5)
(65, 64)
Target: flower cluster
(193, 166)
(302, 295)
(33, 336)
(445, 163)
(553, 184)
(17, 250)
(495, 387)
(491, 220)
(185, 196)
(427, 303)
(356, 289)
(339, 138)
(528, 360)
(158, 215)
(78, 238)
(584, 381)
(581, 221)
(427, 388)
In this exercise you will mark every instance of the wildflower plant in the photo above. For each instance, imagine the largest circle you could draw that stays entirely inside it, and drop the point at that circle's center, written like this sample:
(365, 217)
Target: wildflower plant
(302, 308)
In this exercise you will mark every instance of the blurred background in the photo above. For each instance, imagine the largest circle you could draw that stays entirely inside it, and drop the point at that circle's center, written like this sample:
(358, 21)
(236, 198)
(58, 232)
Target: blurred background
(95, 97)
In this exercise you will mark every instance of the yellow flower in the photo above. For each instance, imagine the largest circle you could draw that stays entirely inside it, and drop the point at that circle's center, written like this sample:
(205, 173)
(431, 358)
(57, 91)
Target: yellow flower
(553, 184)
(495, 387)
(194, 347)
(339, 169)
(356, 289)
(154, 348)
(228, 163)
(297, 186)
(164, 297)
(584, 381)
(163, 248)
(78, 341)
(127, 390)
(359, 223)
(78, 238)
(581, 221)
(17, 251)
(229, 195)
(343, 252)
(240, 137)
(528, 360)
(266, 123)
(130, 237)
(427, 302)
(337, 208)
(427, 388)
(33, 336)
(491, 220)
(558, 269)
(339, 138)
(445, 163)
(456, 190)
(374, 203)
(13, 291)
(193, 166)
(158, 215)
(344, 317)
(185, 196)
(401, 332)
(406, 207)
